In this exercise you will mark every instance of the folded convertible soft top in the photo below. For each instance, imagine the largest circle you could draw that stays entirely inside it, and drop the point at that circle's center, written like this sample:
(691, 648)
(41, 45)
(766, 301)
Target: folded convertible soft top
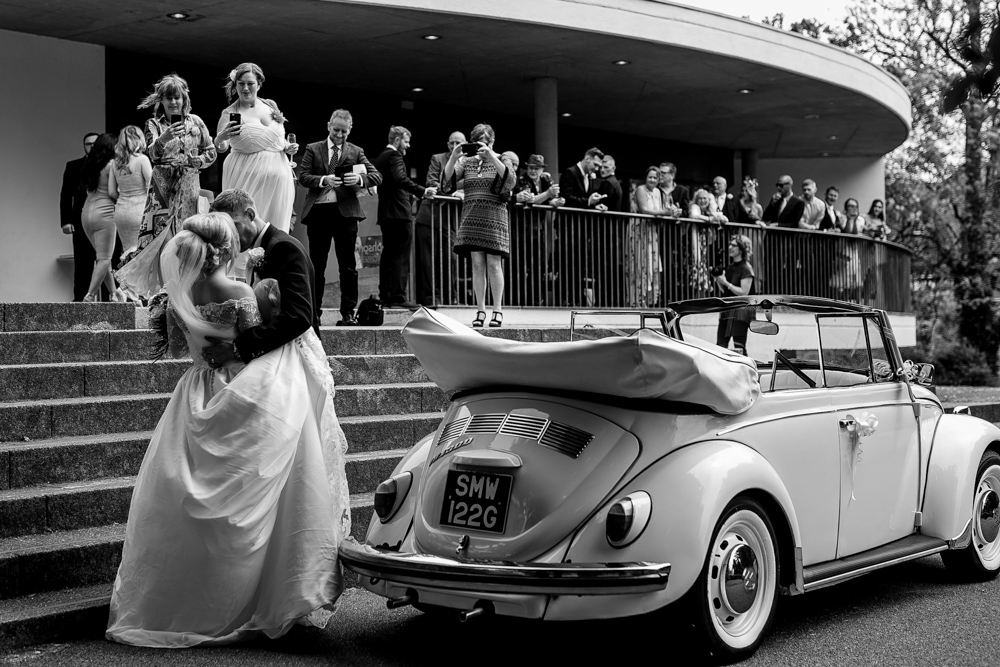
(646, 364)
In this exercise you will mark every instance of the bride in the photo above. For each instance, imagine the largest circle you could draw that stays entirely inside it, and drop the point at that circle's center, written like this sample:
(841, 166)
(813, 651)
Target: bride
(241, 500)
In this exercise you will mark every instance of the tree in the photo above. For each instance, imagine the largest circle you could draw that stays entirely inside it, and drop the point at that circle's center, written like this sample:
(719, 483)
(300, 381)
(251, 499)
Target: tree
(943, 181)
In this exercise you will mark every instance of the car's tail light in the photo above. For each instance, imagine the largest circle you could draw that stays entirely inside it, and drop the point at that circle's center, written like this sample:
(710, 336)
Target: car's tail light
(627, 518)
(390, 495)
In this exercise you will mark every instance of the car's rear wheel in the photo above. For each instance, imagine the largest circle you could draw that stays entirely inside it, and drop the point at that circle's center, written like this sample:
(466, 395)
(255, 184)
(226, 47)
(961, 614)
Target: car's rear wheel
(736, 594)
(980, 560)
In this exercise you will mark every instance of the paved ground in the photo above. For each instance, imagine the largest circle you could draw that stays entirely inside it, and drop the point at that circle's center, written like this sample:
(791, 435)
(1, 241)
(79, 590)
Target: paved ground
(908, 615)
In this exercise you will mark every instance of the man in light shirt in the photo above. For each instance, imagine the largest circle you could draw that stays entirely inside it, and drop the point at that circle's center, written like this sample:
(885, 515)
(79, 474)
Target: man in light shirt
(815, 209)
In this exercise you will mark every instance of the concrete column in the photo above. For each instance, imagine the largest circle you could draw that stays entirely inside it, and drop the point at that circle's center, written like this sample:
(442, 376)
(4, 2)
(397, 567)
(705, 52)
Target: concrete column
(547, 122)
(748, 156)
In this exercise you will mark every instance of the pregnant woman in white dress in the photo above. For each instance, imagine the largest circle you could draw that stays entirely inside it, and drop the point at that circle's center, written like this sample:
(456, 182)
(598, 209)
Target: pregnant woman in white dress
(254, 129)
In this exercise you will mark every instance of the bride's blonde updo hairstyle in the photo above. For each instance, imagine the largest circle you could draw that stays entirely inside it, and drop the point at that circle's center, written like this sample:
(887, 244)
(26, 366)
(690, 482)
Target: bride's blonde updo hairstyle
(239, 71)
(205, 241)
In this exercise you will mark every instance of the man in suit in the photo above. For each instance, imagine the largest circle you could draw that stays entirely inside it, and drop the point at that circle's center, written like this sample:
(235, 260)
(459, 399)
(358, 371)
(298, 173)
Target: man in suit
(577, 184)
(71, 199)
(330, 169)
(395, 206)
(833, 220)
(610, 187)
(424, 232)
(725, 202)
(784, 209)
(284, 260)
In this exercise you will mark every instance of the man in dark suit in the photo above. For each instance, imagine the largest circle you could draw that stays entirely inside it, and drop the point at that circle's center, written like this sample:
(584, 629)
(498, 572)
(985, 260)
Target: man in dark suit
(784, 209)
(577, 184)
(335, 171)
(423, 232)
(284, 260)
(71, 199)
(395, 211)
(726, 203)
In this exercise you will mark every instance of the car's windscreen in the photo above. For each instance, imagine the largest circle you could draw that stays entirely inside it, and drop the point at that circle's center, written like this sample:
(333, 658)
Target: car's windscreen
(749, 330)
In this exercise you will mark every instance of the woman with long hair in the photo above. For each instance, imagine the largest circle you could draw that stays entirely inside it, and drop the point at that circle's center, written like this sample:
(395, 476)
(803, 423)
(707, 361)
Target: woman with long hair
(254, 129)
(643, 268)
(98, 217)
(241, 500)
(179, 146)
(737, 280)
(484, 229)
(875, 225)
(129, 185)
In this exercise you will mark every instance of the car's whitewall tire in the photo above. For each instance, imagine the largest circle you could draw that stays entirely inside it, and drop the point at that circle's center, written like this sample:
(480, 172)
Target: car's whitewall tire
(980, 560)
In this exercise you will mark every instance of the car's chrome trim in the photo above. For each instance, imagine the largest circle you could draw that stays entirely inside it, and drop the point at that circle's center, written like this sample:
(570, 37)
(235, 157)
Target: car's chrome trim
(808, 411)
(857, 572)
(504, 576)
(963, 539)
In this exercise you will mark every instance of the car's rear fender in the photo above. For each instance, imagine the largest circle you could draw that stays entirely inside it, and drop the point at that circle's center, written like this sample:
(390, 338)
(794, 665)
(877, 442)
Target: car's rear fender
(393, 531)
(959, 443)
(690, 488)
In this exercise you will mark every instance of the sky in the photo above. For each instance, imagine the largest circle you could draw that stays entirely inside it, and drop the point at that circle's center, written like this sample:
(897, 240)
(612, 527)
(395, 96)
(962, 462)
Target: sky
(831, 12)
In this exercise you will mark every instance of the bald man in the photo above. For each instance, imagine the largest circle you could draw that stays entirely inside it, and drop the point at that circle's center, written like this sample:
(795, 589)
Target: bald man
(423, 230)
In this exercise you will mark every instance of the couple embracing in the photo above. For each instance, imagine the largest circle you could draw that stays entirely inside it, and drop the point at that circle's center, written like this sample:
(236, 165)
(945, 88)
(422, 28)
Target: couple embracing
(241, 500)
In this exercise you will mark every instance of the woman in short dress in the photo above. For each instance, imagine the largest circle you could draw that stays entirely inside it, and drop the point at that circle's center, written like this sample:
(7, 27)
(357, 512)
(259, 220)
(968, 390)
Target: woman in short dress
(129, 185)
(179, 146)
(736, 280)
(484, 230)
(258, 163)
(99, 215)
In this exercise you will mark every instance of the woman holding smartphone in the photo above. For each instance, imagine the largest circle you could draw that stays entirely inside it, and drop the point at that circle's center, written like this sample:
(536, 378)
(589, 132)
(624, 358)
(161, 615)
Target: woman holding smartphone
(254, 129)
(484, 230)
(179, 146)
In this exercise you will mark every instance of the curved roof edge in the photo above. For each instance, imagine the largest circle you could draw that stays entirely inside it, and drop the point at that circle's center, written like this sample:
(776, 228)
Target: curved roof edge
(696, 29)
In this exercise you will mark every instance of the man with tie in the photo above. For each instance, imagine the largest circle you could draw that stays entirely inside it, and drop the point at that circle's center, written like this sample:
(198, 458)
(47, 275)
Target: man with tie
(335, 171)
(577, 184)
(727, 206)
(784, 209)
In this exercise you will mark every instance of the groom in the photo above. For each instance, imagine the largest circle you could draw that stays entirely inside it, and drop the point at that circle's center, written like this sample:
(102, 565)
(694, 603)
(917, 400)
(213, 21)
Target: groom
(284, 260)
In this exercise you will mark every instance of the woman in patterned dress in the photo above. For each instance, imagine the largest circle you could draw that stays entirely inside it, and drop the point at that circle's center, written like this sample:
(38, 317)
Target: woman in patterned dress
(179, 145)
(484, 230)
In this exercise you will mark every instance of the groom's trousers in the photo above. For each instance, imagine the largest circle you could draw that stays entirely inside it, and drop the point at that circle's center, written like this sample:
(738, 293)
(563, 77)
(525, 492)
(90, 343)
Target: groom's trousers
(323, 225)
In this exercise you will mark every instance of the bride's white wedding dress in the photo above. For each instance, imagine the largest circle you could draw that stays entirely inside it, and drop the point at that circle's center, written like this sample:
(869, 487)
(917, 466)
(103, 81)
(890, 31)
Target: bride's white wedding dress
(240, 503)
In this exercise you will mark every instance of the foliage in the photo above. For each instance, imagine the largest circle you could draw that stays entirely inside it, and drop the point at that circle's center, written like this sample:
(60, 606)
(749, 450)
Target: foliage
(959, 364)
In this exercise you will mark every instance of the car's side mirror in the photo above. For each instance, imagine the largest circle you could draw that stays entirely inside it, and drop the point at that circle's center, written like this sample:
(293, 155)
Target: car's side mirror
(762, 327)
(925, 374)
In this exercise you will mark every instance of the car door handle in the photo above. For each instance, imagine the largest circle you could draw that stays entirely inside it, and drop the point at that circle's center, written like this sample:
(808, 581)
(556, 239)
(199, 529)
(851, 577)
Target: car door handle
(847, 423)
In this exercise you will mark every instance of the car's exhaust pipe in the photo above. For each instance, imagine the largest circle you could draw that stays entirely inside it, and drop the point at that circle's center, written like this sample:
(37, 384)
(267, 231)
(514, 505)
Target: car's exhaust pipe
(481, 609)
(401, 601)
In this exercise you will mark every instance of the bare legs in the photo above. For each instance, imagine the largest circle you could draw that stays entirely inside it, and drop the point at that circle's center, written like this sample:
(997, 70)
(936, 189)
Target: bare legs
(487, 266)
(102, 269)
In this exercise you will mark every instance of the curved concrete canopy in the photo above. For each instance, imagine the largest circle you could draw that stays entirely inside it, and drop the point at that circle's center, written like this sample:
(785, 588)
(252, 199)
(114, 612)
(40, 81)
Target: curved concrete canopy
(686, 65)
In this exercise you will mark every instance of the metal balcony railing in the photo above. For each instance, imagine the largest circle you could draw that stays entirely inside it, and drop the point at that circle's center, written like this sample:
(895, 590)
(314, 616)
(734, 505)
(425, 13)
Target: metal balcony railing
(578, 258)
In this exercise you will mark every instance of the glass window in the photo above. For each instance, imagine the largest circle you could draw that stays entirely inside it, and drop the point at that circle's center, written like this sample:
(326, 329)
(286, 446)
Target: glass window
(846, 357)
(880, 357)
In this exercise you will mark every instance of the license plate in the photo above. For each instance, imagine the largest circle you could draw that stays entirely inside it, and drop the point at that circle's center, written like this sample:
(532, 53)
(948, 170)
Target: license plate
(476, 501)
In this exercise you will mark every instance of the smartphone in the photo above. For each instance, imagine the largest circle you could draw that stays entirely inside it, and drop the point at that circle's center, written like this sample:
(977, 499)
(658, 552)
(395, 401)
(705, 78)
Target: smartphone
(235, 117)
(343, 170)
(471, 149)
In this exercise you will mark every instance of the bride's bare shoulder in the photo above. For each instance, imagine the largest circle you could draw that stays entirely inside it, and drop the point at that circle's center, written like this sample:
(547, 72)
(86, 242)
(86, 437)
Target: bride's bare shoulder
(232, 290)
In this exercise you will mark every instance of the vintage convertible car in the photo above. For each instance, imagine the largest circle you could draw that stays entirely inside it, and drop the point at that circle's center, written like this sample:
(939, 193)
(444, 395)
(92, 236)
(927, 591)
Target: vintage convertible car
(637, 467)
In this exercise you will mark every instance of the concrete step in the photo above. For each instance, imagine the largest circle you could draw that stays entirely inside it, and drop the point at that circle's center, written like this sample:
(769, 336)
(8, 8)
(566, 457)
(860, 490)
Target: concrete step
(109, 378)
(73, 559)
(87, 457)
(55, 616)
(98, 502)
(56, 418)
(66, 316)
(49, 347)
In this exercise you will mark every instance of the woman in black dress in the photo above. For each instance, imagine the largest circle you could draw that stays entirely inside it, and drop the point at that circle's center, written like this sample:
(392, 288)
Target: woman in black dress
(737, 280)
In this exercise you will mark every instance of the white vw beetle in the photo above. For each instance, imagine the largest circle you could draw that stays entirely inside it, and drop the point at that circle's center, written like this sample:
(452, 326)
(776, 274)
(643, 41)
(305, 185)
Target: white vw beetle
(619, 474)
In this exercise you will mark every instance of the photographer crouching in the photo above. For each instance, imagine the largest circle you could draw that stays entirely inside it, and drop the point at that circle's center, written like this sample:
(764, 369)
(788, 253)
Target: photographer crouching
(736, 280)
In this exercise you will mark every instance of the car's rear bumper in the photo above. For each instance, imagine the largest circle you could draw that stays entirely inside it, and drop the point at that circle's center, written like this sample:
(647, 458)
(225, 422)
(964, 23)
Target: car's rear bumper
(504, 577)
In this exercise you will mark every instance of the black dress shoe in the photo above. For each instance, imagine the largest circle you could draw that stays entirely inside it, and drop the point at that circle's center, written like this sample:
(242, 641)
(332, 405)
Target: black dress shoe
(348, 321)
(409, 305)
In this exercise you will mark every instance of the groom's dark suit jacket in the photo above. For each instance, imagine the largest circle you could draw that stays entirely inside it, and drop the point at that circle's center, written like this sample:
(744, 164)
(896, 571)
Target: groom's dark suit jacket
(315, 164)
(286, 261)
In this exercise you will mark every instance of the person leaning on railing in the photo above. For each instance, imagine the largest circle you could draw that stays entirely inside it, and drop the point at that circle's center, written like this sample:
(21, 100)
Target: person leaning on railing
(535, 186)
(643, 267)
(749, 211)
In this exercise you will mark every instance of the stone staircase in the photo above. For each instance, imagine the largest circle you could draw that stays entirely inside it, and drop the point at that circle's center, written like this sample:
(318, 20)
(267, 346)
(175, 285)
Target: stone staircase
(78, 402)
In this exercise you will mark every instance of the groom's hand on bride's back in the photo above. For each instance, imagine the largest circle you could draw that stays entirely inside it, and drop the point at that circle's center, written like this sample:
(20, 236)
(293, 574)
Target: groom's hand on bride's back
(218, 353)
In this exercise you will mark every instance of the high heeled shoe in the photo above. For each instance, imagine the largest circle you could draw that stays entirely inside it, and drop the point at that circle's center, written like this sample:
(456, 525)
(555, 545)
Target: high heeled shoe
(92, 298)
(480, 319)
(497, 319)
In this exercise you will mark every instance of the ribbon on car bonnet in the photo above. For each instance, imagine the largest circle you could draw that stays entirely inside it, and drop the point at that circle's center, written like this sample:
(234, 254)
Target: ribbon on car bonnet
(859, 427)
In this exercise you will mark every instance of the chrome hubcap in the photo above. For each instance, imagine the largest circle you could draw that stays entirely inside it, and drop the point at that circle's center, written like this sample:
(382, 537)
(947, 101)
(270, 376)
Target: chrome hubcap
(740, 584)
(988, 513)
